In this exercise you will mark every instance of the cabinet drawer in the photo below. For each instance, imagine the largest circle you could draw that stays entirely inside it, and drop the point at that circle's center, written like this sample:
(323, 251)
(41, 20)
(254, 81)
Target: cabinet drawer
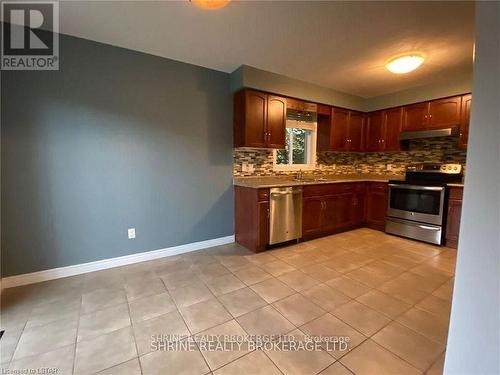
(456, 193)
(263, 195)
(331, 189)
(377, 186)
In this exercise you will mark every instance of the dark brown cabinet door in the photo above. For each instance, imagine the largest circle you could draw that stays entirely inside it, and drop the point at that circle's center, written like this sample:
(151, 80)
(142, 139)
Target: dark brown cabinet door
(324, 137)
(358, 209)
(340, 129)
(464, 121)
(453, 222)
(376, 205)
(276, 122)
(374, 131)
(263, 237)
(255, 118)
(312, 212)
(444, 113)
(415, 116)
(356, 127)
(392, 119)
(259, 120)
(338, 211)
(251, 217)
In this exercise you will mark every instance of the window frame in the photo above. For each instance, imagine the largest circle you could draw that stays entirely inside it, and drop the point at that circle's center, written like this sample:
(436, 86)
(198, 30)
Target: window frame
(311, 147)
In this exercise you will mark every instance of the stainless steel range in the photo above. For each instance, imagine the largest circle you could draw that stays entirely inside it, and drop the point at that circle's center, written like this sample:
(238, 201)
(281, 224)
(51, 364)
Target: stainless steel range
(417, 206)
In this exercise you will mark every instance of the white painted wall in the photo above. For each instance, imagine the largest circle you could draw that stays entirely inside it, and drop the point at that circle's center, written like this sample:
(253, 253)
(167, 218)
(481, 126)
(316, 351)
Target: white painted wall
(474, 338)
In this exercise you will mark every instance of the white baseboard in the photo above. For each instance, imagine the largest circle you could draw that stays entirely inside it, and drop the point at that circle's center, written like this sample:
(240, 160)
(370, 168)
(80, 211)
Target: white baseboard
(77, 269)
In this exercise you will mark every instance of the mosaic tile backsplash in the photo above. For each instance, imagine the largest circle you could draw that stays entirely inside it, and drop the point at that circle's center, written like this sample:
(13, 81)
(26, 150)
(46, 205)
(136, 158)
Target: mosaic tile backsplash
(430, 150)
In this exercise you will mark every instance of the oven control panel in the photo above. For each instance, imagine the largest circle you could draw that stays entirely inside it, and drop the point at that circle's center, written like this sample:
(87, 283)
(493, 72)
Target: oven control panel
(435, 168)
(451, 168)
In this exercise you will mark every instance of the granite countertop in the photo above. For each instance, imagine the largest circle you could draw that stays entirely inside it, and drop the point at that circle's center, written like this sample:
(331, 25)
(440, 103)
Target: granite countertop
(282, 181)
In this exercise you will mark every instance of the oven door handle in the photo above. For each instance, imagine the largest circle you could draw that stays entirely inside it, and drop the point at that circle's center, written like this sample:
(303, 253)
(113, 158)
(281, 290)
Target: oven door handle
(417, 187)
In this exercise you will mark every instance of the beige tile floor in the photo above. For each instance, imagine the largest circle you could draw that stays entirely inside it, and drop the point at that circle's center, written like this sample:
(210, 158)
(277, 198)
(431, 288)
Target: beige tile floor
(389, 295)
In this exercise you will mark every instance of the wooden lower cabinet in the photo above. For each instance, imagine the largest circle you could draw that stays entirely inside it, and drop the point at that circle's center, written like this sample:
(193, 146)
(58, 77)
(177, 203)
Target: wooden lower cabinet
(312, 215)
(338, 211)
(326, 209)
(376, 205)
(453, 216)
(332, 208)
(251, 217)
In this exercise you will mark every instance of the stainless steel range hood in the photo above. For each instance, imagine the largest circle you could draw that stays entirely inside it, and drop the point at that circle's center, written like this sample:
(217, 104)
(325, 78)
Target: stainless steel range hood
(429, 133)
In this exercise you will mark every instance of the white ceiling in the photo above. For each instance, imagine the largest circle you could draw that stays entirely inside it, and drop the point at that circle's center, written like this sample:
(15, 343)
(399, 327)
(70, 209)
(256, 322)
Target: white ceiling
(339, 45)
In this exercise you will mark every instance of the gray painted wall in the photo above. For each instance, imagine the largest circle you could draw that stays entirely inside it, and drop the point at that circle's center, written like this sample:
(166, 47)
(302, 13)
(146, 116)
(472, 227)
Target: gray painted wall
(115, 139)
(460, 85)
(247, 76)
(474, 337)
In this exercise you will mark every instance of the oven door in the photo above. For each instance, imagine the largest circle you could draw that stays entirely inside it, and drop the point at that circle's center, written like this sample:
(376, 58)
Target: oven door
(416, 203)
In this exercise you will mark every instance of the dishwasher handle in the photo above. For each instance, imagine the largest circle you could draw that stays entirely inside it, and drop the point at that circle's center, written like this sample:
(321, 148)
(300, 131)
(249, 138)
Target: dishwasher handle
(295, 191)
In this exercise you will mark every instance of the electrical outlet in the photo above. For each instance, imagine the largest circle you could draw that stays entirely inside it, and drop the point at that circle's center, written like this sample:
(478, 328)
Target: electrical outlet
(250, 168)
(244, 166)
(388, 167)
(131, 233)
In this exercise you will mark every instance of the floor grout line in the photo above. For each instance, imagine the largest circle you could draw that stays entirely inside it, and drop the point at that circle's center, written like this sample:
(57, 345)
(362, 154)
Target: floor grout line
(218, 259)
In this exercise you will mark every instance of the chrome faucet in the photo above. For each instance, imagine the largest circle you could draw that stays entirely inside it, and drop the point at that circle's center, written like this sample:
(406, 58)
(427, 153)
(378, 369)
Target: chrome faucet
(299, 175)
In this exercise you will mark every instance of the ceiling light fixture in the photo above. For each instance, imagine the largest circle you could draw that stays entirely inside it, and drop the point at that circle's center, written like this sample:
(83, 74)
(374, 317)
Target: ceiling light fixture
(211, 4)
(404, 64)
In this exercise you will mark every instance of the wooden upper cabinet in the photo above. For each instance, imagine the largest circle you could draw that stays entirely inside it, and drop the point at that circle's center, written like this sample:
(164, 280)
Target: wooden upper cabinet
(415, 116)
(444, 113)
(464, 121)
(435, 114)
(276, 121)
(259, 120)
(324, 110)
(374, 131)
(324, 136)
(392, 119)
(347, 132)
(300, 105)
(356, 131)
(340, 130)
(383, 129)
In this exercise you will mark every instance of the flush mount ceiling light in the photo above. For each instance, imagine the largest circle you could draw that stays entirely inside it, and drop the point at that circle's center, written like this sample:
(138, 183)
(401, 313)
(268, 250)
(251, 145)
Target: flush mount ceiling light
(211, 4)
(404, 64)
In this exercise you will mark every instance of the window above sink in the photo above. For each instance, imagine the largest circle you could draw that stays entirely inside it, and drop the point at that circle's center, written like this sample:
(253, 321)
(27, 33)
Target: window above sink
(300, 147)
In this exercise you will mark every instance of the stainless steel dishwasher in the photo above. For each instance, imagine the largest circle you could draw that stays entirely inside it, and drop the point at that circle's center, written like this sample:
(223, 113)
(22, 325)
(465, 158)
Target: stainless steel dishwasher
(286, 214)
